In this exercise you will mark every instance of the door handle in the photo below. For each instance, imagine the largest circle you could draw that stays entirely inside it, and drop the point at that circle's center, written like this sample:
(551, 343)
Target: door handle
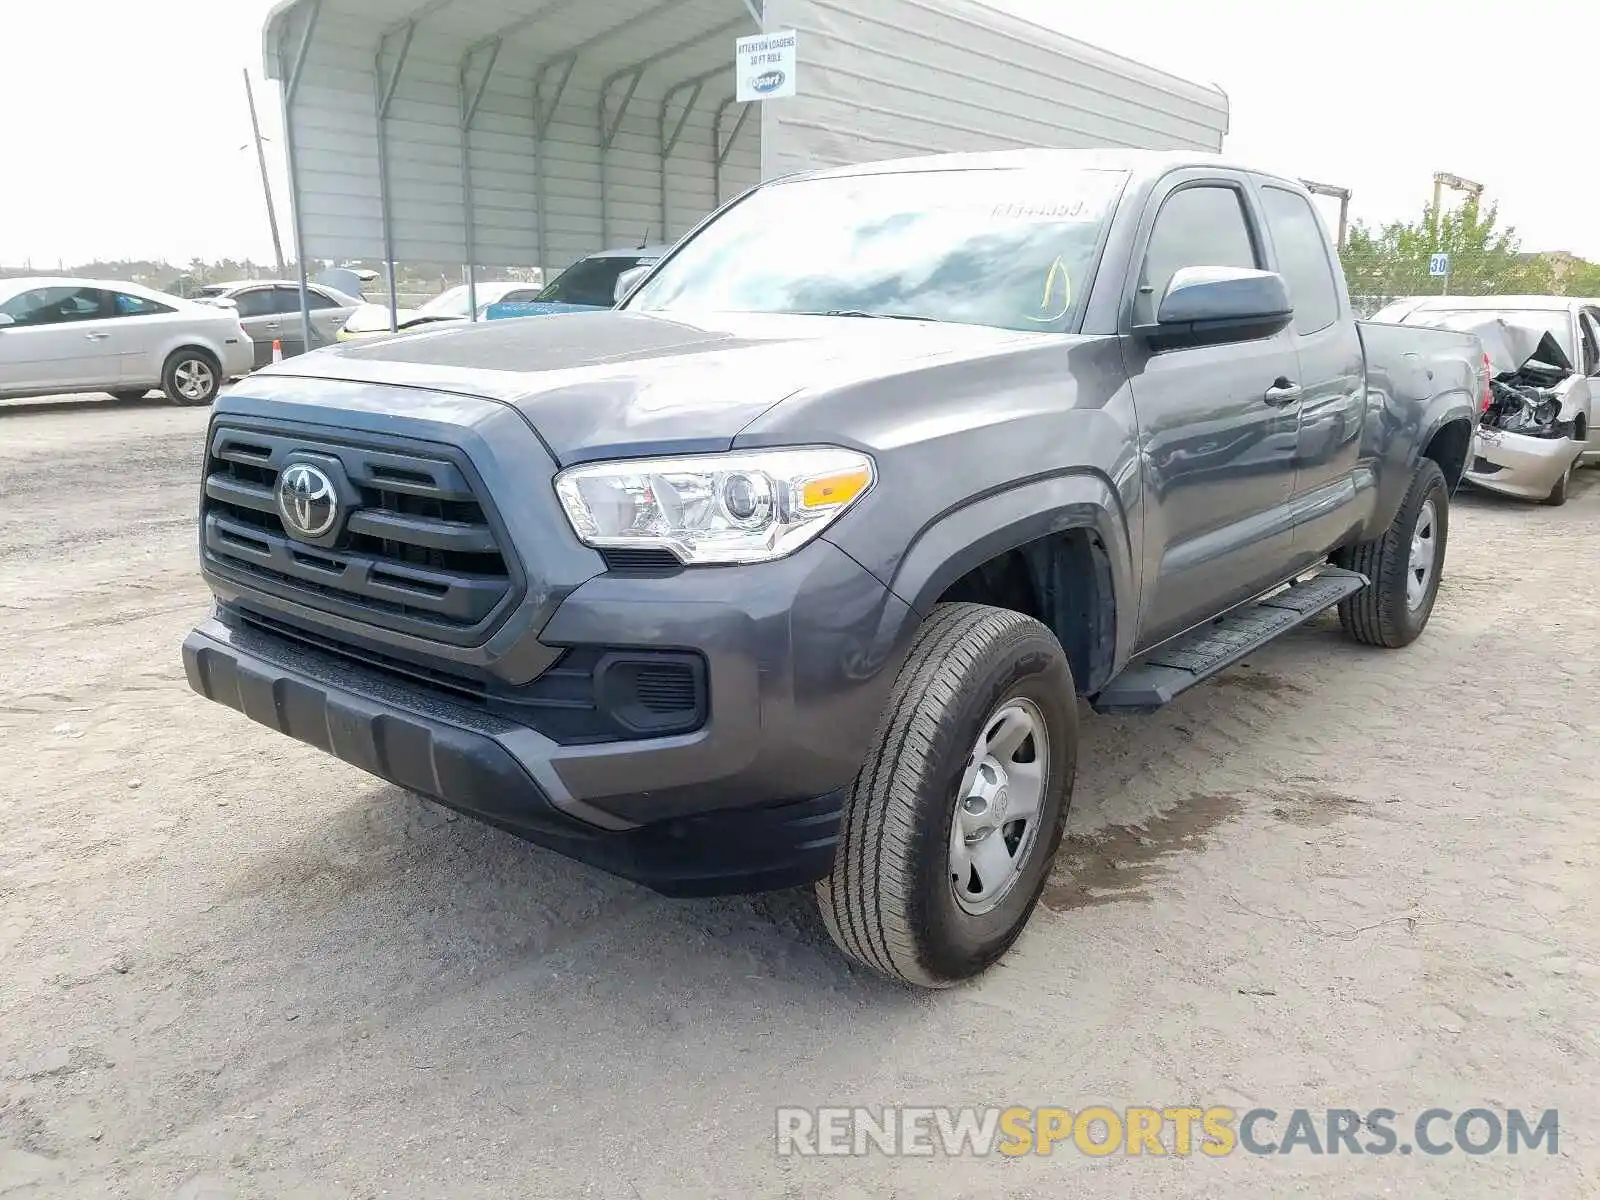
(1283, 391)
(97, 337)
(272, 324)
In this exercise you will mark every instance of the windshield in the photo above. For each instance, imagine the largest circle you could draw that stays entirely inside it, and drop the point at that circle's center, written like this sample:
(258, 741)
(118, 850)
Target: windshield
(590, 281)
(1010, 248)
(1555, 321)
(452, 303)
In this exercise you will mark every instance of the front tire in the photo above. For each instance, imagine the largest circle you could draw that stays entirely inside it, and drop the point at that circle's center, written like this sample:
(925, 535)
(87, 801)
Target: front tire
(1403, 567)
(191, 376)
(949, 830)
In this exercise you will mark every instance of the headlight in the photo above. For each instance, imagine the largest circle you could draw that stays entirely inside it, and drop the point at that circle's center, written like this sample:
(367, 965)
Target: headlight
(747, 506)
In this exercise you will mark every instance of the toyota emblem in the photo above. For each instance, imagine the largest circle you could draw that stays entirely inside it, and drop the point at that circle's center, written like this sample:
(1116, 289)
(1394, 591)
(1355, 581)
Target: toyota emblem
(307, 501)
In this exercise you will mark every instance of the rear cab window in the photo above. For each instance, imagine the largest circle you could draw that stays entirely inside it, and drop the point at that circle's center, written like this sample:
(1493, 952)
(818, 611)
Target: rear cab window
(1302, 253)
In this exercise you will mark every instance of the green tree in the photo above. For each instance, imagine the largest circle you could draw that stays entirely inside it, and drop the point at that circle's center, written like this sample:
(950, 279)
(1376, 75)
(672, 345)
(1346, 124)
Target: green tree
(1582, 280)
(1484, 258)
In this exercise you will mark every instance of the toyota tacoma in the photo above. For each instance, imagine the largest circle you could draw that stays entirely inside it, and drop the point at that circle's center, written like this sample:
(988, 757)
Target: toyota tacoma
(793, 568)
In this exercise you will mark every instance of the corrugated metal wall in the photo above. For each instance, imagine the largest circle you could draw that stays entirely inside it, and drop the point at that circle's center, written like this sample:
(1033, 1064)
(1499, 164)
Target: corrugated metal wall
(900, 77)
(882, 79)
(335, 131)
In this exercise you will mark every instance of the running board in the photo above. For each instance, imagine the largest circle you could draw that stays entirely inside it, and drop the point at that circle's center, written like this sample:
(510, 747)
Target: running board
(1148, 683)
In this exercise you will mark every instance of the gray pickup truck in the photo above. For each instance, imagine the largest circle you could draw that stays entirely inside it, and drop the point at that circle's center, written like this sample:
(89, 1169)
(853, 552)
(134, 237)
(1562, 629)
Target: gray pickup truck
(793, 568)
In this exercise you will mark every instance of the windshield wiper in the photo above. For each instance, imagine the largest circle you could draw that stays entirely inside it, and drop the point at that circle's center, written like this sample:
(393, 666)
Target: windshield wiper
(860, 312)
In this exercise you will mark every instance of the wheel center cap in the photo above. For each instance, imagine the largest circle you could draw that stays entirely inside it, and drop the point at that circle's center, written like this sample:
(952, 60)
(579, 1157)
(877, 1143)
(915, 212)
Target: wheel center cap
(1002, 799)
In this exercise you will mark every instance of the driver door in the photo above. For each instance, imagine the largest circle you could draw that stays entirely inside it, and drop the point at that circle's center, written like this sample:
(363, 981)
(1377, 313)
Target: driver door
(1217, 442)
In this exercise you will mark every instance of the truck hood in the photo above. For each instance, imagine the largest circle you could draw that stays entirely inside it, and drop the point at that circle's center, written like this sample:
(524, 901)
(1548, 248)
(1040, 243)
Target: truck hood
(605, 383)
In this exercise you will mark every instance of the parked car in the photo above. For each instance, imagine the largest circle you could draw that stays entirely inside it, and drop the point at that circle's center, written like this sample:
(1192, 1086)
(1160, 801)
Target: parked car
(588, 284)
(452, 305)
(1528, 444)
(795, 565)
(269, 310)
(90, 335)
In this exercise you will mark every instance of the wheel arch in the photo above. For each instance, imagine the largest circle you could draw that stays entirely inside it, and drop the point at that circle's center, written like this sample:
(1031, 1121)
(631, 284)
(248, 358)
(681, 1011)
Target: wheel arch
(1449, 444)
(1057, 548)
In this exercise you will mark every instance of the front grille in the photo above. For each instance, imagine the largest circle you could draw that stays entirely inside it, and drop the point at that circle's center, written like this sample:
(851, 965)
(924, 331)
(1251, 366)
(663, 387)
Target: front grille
(416, 551)
(589, 695)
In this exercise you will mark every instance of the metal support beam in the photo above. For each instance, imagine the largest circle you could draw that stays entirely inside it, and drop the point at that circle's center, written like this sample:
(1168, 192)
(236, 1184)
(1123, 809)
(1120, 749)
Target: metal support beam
(290, 74)
(384, 85)
(471, 98)
(667, 143)
(608, 133)
(568, 59)
(419, 14)
(588, 43)
(527, 21)
(720, 150)
(543, 114)
(634, 74)
(688, 43)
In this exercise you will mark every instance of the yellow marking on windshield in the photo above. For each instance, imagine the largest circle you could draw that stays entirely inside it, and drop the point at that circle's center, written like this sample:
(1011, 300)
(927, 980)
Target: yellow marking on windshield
(1058, 273)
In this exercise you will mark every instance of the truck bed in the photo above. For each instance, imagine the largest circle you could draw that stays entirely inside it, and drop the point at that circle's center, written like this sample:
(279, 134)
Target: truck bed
(1447, 360)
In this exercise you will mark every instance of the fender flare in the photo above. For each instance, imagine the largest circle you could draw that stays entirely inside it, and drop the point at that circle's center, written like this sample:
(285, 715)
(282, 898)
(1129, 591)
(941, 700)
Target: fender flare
(967, 535)
(1452, 410)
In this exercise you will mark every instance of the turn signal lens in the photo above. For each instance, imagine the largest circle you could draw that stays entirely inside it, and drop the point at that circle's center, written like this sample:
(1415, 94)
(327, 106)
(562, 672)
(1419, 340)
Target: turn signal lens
(832, 491)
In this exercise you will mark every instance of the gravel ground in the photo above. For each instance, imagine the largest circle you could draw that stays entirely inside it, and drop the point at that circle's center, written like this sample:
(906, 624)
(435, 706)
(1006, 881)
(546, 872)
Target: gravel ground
(231, 966)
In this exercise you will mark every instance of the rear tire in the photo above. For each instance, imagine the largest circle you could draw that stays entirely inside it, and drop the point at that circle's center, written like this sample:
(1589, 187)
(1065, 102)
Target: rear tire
(1558, 494)
(191, 376)
(982, 725)
(1394, 607)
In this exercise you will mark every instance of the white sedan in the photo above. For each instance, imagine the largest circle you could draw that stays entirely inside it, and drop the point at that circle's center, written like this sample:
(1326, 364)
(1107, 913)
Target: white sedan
(88, 335)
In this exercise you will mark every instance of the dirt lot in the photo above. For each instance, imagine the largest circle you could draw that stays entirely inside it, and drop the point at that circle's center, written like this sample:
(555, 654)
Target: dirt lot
(230, 966)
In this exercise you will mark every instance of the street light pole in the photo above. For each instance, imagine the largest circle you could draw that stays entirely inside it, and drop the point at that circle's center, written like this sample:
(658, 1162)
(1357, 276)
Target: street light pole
(266, 180)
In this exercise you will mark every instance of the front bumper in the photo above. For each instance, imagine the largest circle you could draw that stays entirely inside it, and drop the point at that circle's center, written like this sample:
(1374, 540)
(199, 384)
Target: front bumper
(1514, 464)
(481, 767)
(799, 654)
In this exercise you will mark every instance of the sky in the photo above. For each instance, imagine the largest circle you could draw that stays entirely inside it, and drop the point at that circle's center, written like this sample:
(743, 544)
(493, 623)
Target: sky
(124, 131)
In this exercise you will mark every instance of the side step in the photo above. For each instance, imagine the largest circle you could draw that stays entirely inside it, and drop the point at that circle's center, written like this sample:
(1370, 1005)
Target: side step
(1148, 683)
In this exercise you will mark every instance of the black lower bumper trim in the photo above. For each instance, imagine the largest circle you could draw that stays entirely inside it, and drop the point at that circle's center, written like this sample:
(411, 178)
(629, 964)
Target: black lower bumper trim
(759, 848)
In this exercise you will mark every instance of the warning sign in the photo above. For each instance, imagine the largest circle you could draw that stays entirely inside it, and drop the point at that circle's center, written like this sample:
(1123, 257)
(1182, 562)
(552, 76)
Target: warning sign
(766, 66)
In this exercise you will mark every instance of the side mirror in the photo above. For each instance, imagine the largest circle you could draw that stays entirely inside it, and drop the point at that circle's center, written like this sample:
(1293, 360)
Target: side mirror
(1209, 306)
(626, 282)
(7, 319)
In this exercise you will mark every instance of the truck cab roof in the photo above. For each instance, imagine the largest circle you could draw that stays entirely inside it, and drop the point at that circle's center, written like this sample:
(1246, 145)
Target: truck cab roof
(1143, 165)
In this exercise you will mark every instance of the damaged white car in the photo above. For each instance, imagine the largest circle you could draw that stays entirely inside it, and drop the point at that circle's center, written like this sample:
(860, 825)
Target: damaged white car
(1538, 424)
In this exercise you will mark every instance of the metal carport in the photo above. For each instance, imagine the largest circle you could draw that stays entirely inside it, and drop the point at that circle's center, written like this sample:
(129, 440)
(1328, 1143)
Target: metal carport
(501, 133)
